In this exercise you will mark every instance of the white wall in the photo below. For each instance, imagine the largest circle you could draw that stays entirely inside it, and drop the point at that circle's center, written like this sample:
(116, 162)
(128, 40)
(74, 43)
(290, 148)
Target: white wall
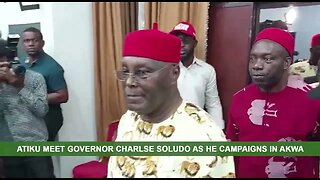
(10, 13)
(68, 33)
(73, 49)
(306, 25)
(46, 19)
(273, 14)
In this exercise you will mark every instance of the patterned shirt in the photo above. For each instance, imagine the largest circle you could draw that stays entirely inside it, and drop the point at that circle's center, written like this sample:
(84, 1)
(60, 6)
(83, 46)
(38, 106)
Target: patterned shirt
(188, 123)
(197, 84)
(288, 115)
(21, 113)
(305, 70)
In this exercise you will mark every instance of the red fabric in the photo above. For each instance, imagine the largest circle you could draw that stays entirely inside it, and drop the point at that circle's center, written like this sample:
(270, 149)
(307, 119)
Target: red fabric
(185, 28)
(92, 169)
(315, 40)
(96, 169)
(153, 44)
(155, 26)
(280, 36)
(112, 131)
(259, 116)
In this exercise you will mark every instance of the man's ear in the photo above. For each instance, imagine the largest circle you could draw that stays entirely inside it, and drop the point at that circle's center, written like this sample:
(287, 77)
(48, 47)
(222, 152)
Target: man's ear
(43, 43)
(195, 43)
(288, 61)
(175, 73)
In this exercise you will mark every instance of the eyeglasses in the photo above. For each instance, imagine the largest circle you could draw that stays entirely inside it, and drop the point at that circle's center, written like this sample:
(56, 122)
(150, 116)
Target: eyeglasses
(138, 76)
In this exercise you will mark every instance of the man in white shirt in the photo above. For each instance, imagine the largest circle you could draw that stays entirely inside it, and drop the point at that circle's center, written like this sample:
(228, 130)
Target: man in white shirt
(197, 80)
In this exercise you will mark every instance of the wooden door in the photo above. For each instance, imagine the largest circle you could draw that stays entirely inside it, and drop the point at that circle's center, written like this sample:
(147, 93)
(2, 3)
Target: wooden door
(229, 42)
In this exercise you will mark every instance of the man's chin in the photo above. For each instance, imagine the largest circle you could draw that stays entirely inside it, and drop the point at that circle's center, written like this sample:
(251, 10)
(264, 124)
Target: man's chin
(138, 108)
(31, 53)
(183, 57)
(264, 86)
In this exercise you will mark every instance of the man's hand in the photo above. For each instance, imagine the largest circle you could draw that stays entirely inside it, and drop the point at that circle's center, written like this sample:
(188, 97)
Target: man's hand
(8, 75)
(3, 71)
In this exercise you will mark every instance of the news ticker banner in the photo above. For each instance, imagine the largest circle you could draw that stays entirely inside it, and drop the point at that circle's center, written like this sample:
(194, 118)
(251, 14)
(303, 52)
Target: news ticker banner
(160, 148)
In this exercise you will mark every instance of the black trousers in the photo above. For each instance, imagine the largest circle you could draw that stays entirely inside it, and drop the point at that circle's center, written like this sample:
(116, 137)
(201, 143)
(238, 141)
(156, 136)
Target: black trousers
(28, 167)
(54, 121)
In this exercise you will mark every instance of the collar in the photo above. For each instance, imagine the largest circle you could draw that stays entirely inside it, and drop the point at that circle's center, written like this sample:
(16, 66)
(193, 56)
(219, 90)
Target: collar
(29, 64)
(27, 61)
(195, 61)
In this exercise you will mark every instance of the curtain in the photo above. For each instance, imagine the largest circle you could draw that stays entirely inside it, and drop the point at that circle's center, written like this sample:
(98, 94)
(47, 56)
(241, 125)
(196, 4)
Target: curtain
(168, 14)
(111, 22)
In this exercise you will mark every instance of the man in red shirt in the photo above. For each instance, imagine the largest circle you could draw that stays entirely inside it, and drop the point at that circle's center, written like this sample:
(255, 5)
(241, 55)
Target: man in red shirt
(275, 107)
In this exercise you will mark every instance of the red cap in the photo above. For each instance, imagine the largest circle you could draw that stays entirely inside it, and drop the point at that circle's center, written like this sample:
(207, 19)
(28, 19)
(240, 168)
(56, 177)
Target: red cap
(315, 40)
(280, 36)
(153, 44)
(185, 28)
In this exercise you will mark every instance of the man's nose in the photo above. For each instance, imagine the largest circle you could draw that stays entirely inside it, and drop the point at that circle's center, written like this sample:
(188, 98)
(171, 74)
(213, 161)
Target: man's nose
(258, 64)
(131, 80)
(30, 43)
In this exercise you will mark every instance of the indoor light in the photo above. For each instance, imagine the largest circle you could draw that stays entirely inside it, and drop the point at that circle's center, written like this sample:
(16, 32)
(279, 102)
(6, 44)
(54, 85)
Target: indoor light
(291, 15)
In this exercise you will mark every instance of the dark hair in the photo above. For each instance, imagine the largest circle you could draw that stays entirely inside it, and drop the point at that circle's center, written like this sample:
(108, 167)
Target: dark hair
(35, 30)
(269, 23)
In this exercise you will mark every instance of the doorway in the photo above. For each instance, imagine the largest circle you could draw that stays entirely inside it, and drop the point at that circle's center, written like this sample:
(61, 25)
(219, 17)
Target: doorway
(300, 19)
(229, 40)
(232, 30)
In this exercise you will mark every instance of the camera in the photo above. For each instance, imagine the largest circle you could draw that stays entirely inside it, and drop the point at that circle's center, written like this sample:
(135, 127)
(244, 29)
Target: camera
(17, 68)
(12, 44)
(10, 51)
